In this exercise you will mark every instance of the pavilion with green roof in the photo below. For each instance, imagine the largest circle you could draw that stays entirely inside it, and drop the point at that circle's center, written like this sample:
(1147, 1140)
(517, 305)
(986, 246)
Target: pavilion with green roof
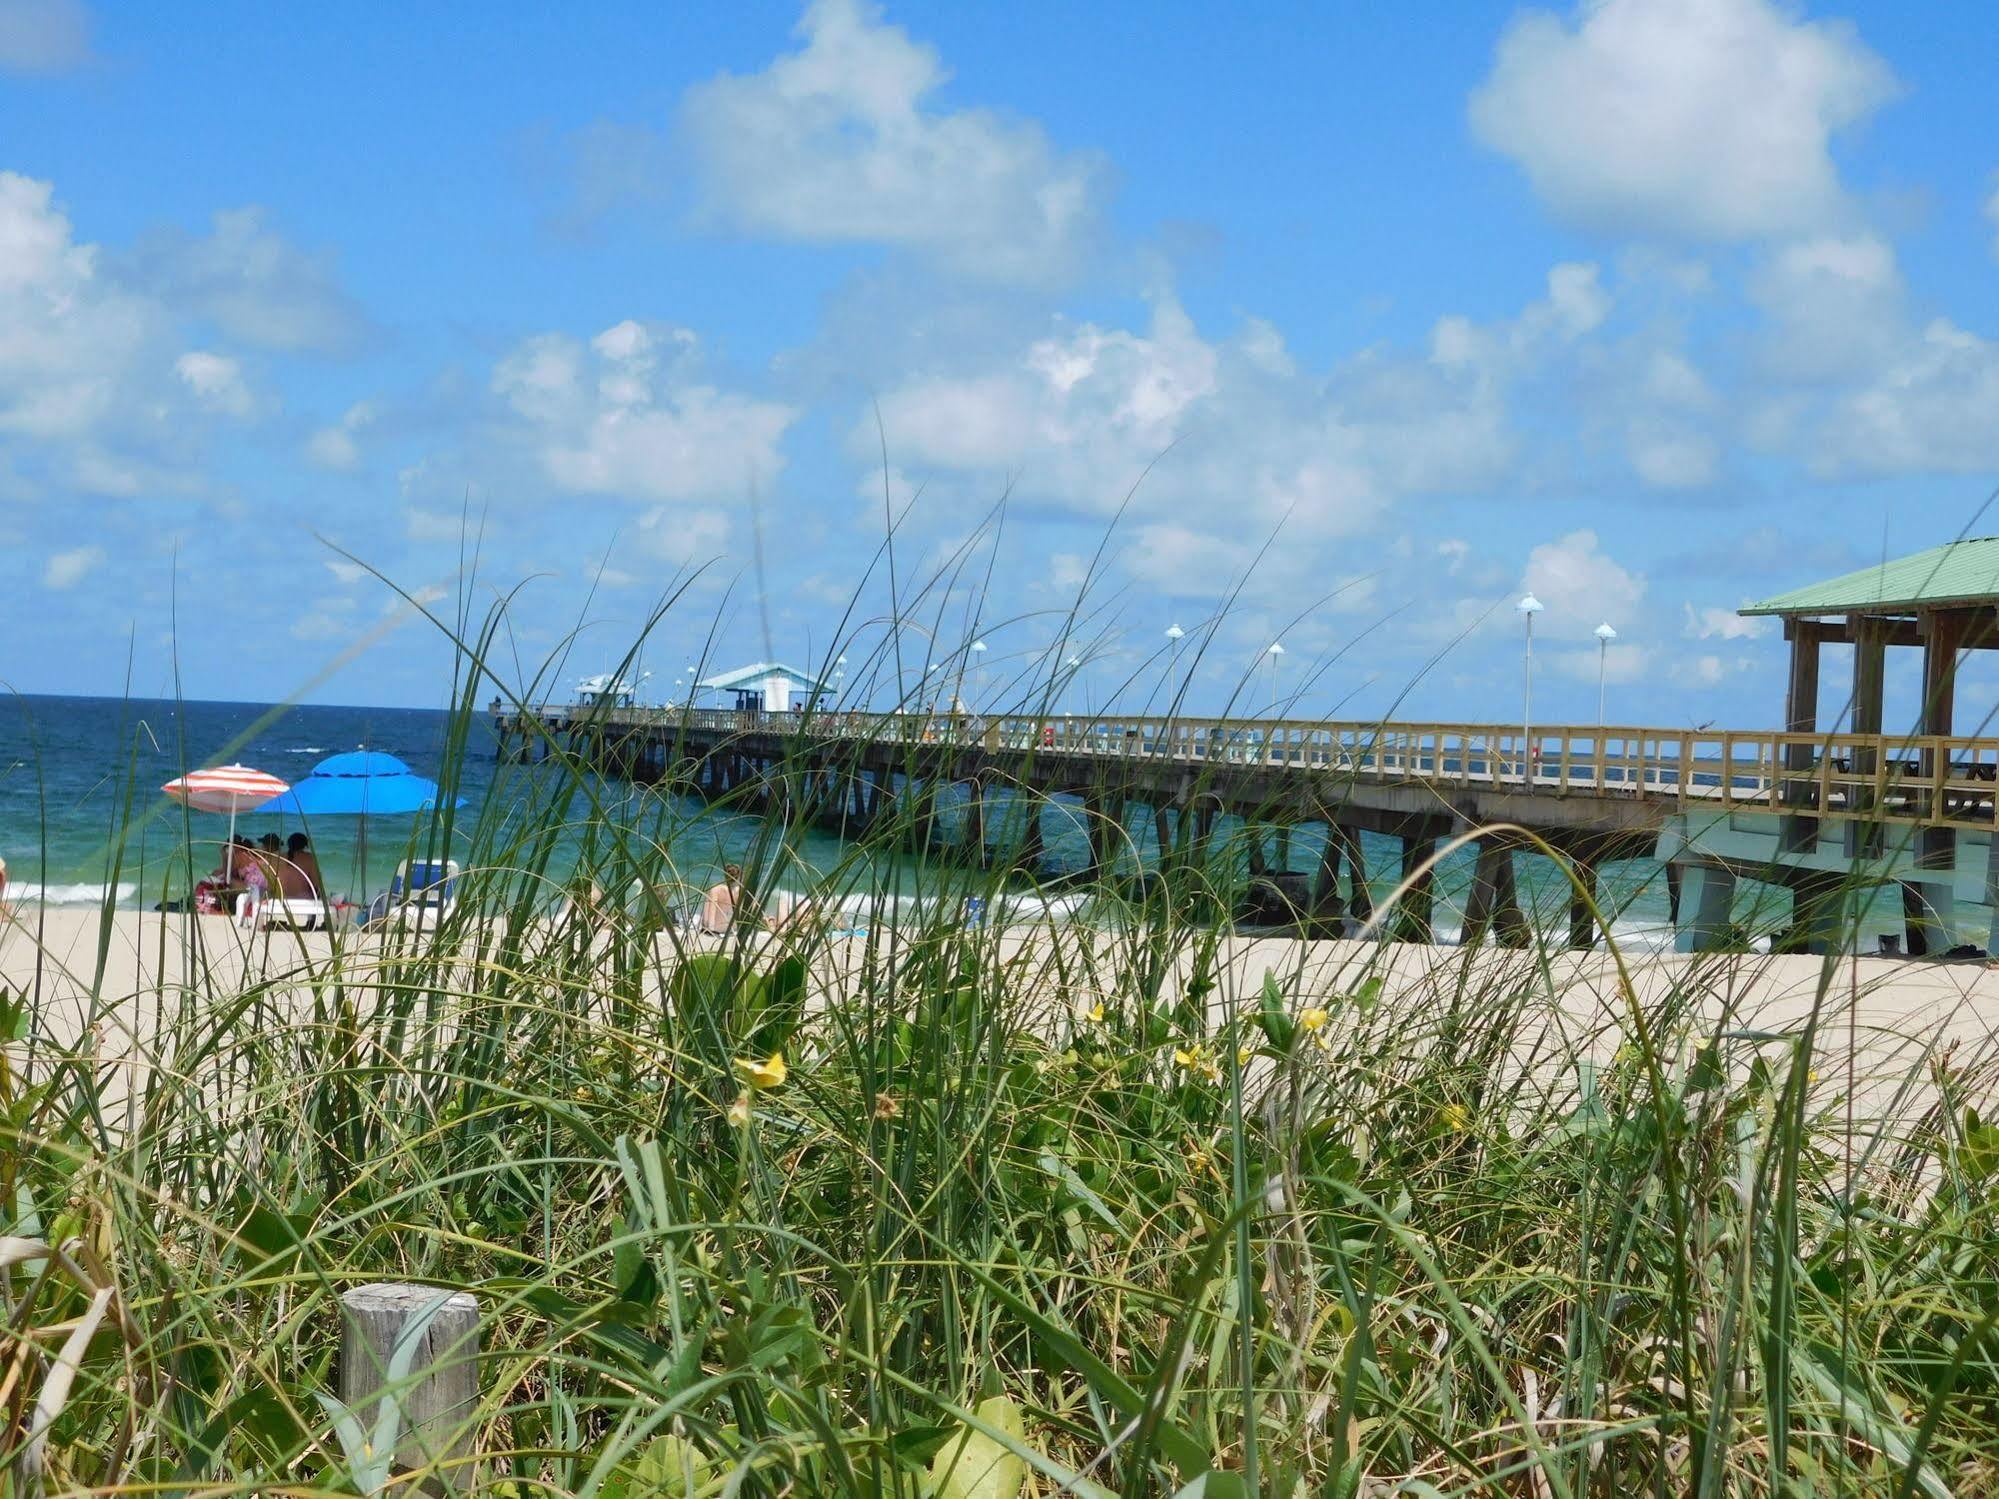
(1942, 602)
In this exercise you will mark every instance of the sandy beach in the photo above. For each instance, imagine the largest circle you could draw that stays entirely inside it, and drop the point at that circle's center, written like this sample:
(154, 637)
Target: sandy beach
(1879, 1021)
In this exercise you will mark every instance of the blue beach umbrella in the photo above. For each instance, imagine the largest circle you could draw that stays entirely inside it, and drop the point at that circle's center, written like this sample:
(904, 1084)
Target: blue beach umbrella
(363, 784)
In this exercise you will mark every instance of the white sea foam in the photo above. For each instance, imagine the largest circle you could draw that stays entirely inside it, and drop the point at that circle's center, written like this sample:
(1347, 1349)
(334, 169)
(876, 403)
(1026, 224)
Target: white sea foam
(1643, 936)
(1007, 907)
(25, 892)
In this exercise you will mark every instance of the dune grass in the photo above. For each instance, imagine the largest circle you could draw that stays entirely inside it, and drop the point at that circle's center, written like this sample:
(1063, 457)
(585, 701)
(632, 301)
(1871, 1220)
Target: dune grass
(1046, 1207)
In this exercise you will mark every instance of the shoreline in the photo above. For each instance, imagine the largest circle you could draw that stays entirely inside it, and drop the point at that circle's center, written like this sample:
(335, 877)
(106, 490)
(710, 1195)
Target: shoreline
(1886, 1008)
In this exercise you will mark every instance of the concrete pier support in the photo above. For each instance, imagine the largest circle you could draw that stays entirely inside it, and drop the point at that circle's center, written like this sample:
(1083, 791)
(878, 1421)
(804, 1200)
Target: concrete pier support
(1029, 855)
(975, 821)
(1707, 896)
(1204, 836)
(1412, 913)
(1992, 892)
(1582, 919)
(1928, 909)
(1360, 900)
(1326, 905)
(1495, 898)
(1818, 915)
(1097, 827)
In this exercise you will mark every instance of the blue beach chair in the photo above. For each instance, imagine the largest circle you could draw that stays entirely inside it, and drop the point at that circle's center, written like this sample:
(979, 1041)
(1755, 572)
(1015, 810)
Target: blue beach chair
(423, 893)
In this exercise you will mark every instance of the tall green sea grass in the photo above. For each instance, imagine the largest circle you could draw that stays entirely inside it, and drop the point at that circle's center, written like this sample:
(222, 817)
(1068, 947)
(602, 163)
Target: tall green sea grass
(1095, 1207)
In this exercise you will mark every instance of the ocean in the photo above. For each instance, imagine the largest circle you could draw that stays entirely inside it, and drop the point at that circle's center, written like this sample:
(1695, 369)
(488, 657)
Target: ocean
(81, 813)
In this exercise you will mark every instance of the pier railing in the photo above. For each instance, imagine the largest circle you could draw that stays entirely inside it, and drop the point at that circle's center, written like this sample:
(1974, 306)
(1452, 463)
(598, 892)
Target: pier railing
(1922, 780)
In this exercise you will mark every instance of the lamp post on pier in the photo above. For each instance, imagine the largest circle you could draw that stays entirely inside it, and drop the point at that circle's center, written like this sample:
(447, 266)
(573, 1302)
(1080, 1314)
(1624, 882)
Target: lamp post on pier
(1604, 635)
(1529, 606)
(1276, 650)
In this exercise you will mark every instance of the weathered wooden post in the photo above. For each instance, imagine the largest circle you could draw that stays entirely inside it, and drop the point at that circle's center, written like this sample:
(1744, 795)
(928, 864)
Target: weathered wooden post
(439, 1394)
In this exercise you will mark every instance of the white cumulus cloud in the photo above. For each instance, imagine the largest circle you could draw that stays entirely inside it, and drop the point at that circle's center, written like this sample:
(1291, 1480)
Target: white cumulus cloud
(1580, 586)
(837, 142)
(67, 569)
(632, 414)
(337, 447)
(1834, 306)
(1723, 624)
(254, 285)
(1703, 119)
(104, 387)
(216, 380)
(1226, 439)
(1928, 408)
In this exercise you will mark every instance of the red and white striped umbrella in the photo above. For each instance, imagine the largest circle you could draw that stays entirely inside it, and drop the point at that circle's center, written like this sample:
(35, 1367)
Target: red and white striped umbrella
(227, 788)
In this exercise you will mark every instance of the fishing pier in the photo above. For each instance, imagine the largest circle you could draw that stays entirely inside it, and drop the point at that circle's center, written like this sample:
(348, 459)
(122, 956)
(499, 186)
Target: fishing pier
(1820, 813)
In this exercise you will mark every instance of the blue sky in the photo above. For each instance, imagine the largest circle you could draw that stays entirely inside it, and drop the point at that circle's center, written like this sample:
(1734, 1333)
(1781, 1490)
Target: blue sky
(1378, 318)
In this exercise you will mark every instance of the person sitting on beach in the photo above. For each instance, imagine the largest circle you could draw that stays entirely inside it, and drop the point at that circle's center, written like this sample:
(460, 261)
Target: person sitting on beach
(253, 875)
(298, 871)
(721, 907)
(797, 916)
(587, 901)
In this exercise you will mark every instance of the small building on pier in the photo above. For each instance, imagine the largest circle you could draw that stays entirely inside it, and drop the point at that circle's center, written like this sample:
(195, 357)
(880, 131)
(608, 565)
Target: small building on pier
(1865, 804)
(765, 687)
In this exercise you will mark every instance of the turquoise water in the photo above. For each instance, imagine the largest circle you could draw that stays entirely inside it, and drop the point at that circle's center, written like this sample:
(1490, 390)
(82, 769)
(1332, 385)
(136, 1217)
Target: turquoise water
(81, 812)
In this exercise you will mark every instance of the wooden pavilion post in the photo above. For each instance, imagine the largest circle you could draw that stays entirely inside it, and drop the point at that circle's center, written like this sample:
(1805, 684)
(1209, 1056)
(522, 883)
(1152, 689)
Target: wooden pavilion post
(1944, 634)
(1870, 661)
(1801, 716)
(1929, 905)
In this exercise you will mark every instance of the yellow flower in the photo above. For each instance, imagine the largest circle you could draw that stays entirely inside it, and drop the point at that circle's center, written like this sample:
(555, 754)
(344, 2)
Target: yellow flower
(1097, 1013)
(1456, 1117)
(1242, 1056)
(1196, 1059)
(1312, 1019)
(1197, 1158)
(739, 1111)
(769, 1073)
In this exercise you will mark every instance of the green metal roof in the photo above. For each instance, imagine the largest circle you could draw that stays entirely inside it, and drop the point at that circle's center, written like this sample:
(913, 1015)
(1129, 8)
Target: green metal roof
(1961, 572)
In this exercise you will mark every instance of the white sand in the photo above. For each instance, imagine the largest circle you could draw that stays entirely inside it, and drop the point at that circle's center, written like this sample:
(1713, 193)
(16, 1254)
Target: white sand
(1884, 1017)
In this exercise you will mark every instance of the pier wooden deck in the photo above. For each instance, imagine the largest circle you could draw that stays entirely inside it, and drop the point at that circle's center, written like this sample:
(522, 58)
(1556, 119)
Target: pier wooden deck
(1566, 778)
